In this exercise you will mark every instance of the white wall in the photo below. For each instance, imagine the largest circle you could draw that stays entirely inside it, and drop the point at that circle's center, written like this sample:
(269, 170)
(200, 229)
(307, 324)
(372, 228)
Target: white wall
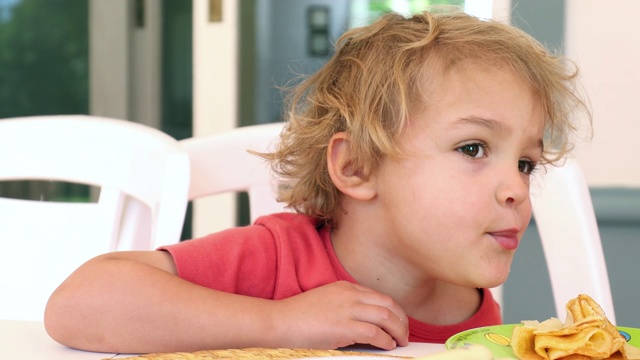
(109, 94)
(603, 39)
(146, 57)
(125, 62)
(215, 68)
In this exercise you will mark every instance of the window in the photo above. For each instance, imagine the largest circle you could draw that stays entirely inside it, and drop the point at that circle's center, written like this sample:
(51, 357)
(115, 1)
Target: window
(365, 11)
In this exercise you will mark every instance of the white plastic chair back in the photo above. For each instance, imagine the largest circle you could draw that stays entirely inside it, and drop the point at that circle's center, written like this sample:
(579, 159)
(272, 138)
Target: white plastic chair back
(570, 238)
(221, 163)
(143, 175)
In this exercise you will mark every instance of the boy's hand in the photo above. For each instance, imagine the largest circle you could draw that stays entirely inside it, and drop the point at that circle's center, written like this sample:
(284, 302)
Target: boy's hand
(342, 314)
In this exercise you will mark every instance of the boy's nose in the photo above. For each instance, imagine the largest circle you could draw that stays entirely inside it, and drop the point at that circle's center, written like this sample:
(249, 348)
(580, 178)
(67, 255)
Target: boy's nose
(513, 188)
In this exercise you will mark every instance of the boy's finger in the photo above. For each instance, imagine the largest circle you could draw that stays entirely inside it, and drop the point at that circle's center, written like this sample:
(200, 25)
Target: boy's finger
(378, 299)
(384, 319)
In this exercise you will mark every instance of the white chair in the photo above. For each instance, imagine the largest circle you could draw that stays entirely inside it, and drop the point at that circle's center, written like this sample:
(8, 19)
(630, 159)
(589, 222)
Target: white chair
(143, 175)
(221, 163)
(568, 230)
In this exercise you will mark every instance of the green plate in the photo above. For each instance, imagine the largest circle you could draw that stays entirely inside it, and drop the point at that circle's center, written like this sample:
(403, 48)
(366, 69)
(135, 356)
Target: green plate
(498, 338)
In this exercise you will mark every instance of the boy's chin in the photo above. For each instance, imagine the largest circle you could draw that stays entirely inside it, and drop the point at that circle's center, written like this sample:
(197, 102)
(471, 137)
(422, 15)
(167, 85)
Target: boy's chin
(496, 278)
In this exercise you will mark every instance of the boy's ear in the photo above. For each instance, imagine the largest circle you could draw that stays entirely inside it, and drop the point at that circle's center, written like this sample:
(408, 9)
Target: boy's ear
(353, 182)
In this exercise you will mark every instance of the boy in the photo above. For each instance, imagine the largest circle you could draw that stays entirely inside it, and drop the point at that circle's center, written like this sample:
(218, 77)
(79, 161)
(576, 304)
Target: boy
(409, 155)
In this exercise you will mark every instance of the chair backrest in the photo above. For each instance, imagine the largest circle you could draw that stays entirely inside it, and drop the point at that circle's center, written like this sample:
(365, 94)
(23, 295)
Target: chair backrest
(221, 163)
(143, 176)
(570, 238)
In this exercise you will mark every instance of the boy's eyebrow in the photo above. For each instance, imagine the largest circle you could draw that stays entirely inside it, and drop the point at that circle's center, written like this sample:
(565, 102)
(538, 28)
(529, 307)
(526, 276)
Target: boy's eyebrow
(490, 124)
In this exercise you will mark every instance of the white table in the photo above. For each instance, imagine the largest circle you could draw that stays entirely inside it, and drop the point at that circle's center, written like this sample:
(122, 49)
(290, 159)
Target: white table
(27, 340)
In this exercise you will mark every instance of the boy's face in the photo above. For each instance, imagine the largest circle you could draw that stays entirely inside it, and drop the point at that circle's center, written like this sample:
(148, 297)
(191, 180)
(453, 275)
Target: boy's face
(457, 207)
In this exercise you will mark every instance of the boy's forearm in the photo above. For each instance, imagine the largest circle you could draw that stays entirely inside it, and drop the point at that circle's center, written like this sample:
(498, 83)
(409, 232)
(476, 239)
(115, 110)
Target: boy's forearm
(99, 309)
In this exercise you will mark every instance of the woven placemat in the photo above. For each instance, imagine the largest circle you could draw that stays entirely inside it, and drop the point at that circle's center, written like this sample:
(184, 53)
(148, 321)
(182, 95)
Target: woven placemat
(254, 354)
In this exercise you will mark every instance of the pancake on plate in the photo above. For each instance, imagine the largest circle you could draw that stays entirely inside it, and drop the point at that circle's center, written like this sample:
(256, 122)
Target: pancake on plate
(586, 334)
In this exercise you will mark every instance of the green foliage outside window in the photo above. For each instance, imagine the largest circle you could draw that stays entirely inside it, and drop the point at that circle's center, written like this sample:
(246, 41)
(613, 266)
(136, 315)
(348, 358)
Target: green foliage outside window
(44, 70)
(43, 57)
(415, 6)
(373, 9)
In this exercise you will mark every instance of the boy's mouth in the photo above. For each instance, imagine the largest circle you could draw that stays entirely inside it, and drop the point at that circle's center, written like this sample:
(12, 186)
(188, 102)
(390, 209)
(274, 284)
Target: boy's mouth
(507, 239)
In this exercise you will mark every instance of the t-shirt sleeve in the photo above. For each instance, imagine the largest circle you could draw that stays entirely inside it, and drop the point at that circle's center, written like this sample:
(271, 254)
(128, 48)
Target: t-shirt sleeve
(239, 260)
(280, 256)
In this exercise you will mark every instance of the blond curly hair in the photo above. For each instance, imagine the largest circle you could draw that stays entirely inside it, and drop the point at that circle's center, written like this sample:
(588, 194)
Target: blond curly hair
(376, 79)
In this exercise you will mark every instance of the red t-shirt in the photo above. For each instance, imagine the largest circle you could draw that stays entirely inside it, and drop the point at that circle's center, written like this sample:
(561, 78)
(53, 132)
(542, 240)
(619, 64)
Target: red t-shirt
(283, 255)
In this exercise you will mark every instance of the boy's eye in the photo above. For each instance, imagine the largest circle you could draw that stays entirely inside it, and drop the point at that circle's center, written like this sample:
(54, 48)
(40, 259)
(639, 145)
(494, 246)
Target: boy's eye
(473, 150)
(526, 166)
